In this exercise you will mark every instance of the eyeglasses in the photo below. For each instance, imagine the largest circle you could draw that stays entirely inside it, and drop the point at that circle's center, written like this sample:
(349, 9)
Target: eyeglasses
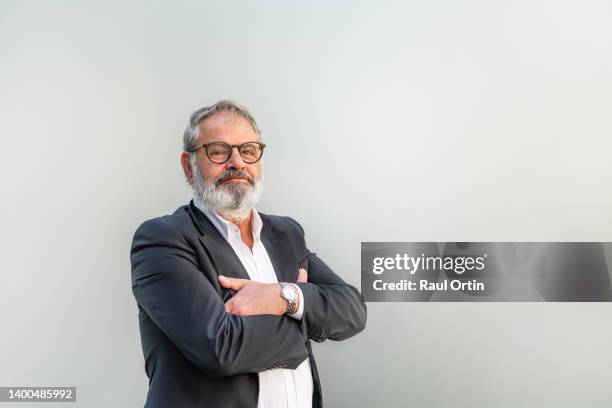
(219, 152)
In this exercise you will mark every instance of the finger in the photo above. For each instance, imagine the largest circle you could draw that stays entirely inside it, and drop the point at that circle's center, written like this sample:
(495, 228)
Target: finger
(302, 275)
(228, 306)
(232, 283)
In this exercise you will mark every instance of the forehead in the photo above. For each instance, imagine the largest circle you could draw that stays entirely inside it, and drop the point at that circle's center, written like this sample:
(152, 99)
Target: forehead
(226, 127)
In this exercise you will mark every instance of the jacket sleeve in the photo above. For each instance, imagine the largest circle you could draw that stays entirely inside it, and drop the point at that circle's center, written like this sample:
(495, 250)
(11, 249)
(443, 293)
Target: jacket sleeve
(333, 309)
(183, 303)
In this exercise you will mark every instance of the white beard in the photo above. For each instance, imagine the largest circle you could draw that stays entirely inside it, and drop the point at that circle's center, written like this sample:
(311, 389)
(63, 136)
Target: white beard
(232, 201)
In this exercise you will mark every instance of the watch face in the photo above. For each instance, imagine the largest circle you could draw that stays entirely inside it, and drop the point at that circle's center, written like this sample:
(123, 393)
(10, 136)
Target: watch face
(289, 293)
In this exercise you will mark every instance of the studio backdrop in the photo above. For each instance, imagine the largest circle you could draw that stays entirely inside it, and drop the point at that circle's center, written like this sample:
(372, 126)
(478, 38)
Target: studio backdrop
(443, 121)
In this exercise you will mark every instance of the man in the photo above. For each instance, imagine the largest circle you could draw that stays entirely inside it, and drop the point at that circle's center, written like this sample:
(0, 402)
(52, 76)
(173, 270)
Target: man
(228, 297)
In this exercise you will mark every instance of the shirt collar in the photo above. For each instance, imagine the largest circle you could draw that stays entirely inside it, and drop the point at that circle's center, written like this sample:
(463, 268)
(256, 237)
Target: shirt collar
(225, 227)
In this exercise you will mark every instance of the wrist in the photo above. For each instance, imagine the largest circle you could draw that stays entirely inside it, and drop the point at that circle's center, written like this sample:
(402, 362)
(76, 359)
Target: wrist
(282, 303)
(289, 293)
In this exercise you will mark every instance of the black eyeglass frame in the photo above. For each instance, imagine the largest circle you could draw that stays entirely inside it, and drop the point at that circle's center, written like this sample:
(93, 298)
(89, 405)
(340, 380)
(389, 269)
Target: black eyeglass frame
(237, 146)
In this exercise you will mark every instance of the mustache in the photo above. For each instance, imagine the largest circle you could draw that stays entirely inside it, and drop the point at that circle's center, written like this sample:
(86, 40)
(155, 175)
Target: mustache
(233, 173)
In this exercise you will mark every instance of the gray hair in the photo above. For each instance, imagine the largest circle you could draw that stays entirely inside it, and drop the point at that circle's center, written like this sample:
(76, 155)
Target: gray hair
(190, 135)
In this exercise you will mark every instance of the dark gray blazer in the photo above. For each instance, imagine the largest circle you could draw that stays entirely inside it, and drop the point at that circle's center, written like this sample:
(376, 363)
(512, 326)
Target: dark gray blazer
(197, 355)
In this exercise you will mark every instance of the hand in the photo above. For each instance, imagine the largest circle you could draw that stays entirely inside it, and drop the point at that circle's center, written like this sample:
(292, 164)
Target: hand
(302, 276)
(254, 298)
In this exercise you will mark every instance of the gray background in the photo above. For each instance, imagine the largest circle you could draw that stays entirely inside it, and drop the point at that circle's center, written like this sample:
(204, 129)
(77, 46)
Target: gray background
(386, 121)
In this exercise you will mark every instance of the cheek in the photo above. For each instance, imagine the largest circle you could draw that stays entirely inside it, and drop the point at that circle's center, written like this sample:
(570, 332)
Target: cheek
(254, 172)
(210, 172)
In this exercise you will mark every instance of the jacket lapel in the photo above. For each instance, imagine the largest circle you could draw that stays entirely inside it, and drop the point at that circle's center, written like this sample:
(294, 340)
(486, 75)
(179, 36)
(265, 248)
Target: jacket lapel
(224, 258)
(276, 244)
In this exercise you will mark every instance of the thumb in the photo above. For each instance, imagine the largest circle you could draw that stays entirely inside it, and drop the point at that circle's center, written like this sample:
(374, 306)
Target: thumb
(232, 283)
(302, 275)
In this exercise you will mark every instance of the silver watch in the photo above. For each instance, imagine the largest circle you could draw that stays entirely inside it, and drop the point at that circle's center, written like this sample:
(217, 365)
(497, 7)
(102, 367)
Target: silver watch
(289, 292)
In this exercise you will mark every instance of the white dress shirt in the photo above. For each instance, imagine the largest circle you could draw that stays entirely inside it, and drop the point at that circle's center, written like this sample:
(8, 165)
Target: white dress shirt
(279, 387)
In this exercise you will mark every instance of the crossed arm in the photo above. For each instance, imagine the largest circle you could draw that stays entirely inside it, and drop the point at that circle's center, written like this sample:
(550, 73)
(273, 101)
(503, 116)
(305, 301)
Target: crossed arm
(182, 302)
(333, 309)
(254, 298)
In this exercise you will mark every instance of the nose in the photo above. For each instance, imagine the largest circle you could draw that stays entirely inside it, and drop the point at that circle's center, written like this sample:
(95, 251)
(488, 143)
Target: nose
(235, 161)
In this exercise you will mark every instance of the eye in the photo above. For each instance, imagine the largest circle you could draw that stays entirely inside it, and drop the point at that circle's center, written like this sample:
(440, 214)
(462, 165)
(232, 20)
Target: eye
(250, 150)
(217, 151)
